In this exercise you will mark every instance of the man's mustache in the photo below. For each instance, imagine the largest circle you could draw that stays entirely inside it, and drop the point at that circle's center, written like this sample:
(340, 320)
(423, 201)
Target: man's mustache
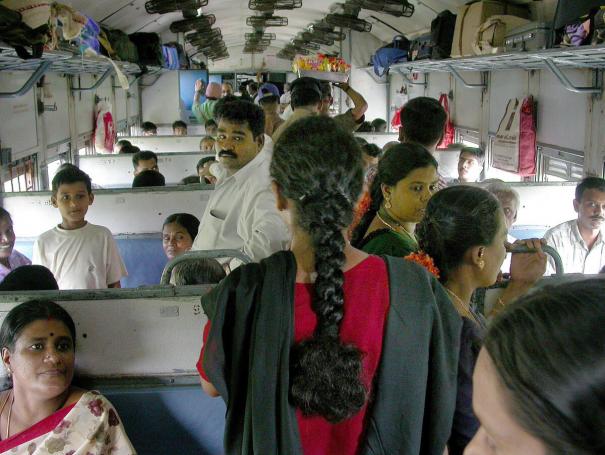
(227, 153)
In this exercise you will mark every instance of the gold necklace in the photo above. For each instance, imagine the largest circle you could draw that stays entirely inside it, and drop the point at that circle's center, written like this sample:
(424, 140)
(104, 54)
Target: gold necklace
(463, 308)
(394, 228)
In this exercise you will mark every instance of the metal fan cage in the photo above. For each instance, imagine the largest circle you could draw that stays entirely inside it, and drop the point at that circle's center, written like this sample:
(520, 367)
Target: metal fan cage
(204, 35)
(170, 6)
(314, 38)
(272, 5)
(398, 8)
(266, 21)
(261, 35)
(202, 22)
(306, 45)
(352, 22)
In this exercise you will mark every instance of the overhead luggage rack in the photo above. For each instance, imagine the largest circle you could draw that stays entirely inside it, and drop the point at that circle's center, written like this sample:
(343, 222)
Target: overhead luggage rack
(65, 63)
(587, 57)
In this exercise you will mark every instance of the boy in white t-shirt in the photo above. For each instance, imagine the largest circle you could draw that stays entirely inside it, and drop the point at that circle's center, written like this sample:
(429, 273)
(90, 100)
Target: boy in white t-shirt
(79, 254)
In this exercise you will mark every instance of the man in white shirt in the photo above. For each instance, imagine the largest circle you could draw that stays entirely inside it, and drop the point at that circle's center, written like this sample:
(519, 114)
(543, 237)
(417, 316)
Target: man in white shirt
(241, 213)
(580, 242)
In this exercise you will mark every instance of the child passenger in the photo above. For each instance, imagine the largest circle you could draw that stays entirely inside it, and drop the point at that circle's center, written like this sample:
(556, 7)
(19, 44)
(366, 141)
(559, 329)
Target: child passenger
(80, 255)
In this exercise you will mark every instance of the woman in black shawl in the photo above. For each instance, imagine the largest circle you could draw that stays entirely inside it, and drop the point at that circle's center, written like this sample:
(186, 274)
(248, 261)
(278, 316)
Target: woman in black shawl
(325, 349)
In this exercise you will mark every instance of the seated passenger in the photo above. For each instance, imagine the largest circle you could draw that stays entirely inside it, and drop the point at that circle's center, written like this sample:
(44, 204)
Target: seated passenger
(352, 119)
(207, 144)
(149, 129)
(205, 111)
(403, 185)
(10, 258)
(539, 378)
(179, 128)
(178, 232)
(79, 254)
(389, 145)
(463, 237)
(197, 271)
(145, 160)
(203, 170)
(470, 164)
(580, 242)
(268, 100)
(120, 144)
(29, 278)
(379, 125)
(210, 127)
(42, 412)
(318, 340)
(129, 149)
(241, 211)
(148, 178)
(190, 180)
(510, 202)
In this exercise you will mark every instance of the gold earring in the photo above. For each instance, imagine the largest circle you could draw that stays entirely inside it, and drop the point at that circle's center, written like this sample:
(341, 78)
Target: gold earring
(387, 204)
(481, 264)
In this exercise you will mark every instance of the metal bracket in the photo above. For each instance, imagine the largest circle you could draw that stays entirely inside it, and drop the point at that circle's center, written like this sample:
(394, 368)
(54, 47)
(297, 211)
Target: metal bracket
(130, 82)
(97, 84)
(158, 75)
(380, 80)
(597, 88)
(34, 78)
(410, 81)
(459, 78)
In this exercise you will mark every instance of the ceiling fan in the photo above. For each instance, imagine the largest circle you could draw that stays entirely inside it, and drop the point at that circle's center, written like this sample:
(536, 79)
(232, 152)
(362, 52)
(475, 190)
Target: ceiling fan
(169, 6)
(203, 22)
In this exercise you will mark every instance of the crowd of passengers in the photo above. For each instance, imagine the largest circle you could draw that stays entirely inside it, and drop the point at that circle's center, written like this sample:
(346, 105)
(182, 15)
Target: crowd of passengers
(357, 311)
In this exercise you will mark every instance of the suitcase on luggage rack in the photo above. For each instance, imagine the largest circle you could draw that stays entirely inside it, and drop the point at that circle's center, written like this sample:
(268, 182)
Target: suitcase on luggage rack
(530, 37)
(421, 48)
(569, 14)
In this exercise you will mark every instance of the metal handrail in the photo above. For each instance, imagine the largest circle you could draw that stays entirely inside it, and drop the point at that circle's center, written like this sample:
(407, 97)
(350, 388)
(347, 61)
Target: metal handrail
(202, 254)
(410, 81)
(33, 79)
(567, 84)
(548, 250)
(459, 78)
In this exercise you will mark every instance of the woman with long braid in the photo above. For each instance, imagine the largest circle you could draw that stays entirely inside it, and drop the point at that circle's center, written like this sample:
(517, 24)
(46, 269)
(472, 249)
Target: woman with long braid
(324, 349)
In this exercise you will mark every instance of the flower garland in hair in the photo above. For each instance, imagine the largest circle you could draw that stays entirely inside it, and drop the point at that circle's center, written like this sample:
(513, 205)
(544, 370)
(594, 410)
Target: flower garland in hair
(425, 261)
(362, 207)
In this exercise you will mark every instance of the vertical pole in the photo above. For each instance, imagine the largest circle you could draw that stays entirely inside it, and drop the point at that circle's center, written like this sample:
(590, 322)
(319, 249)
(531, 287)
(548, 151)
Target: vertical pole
(73, 125)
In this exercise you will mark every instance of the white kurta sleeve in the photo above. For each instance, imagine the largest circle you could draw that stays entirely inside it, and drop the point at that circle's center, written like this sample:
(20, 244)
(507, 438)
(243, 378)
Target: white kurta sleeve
(261, 228)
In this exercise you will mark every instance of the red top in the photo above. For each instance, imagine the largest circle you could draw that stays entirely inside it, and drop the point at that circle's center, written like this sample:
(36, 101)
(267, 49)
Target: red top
(366, 291)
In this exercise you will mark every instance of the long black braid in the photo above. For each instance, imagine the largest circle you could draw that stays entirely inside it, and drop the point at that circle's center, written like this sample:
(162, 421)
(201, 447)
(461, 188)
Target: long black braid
(319, 167)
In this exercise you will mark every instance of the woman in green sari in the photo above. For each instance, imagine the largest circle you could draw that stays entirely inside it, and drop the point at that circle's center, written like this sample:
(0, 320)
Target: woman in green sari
(406, 179)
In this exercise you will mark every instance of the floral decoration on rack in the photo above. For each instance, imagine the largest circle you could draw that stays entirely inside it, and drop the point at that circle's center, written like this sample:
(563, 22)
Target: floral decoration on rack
(320, 62)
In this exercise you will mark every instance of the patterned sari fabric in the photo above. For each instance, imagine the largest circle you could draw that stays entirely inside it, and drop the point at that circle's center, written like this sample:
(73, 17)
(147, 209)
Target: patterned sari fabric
(90, 427)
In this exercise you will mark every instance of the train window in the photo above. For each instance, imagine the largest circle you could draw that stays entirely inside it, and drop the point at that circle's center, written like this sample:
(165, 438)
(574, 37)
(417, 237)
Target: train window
(561, 165)
(21, 175)
(469, 138)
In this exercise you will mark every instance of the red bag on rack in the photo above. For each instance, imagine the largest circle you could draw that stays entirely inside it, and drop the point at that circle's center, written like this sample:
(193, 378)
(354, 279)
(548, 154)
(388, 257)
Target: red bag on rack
(104, 131)
(449, 133)
(514, 147)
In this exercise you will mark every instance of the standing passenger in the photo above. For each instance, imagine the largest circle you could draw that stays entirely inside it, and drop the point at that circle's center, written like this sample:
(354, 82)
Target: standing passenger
(241, 211)
(580, 242)
(315, 341)
(354, 117)
(539, 382)
(80, 255)
(305, 101)
(268, 100)
(10, 258)
(464, 233)
(406, 180)
(205, 111)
